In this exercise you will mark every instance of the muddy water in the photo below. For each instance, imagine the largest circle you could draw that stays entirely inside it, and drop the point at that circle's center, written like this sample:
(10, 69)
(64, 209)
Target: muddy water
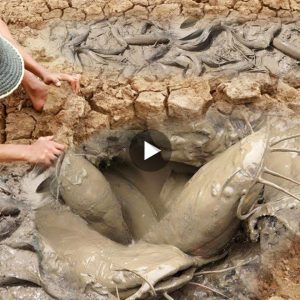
(149, 183)
(159, 187)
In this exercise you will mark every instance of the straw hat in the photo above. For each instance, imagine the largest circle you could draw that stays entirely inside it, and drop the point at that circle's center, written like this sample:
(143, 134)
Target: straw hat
(11, 68)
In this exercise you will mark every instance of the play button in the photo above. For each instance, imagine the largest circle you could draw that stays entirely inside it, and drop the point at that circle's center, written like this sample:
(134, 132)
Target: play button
(149, 150)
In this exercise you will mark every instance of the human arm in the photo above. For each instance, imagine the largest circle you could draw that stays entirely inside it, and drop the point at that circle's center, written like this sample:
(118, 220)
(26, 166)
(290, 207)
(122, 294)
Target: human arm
(43, 151)
(34, 67)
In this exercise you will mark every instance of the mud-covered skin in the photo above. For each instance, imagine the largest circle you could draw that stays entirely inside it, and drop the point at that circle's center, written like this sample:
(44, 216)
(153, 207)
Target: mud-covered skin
(138, 214)
(287, 48)
(203, 218)
(8, 207)
(87, 192)
(97, 259)
(283, 169)
(172, 189)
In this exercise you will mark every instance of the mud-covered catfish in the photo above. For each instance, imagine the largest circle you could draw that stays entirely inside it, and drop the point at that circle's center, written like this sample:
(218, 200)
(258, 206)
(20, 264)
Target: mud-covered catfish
(138, 213)
(87, 192)
(282, 171)
(136, 271)
(203, 219)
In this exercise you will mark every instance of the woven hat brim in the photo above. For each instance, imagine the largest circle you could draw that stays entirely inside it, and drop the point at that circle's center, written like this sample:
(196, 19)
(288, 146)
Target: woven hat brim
(11, 68)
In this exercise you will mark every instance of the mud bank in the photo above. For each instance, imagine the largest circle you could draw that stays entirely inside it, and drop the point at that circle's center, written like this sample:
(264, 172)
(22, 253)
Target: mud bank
(117, 94)
(34, 13)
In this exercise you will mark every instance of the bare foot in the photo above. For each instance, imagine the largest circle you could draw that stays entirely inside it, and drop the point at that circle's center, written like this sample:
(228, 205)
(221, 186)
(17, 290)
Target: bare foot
(36, 90)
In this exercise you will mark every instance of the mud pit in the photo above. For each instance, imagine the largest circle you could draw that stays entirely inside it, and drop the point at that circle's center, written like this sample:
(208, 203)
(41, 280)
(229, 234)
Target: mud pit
(70, 239)
(220, 46)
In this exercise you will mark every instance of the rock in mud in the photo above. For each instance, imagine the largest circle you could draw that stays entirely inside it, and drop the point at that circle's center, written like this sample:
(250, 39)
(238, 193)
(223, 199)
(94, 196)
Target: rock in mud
(246, 88)
(150, 105)
(189, 102)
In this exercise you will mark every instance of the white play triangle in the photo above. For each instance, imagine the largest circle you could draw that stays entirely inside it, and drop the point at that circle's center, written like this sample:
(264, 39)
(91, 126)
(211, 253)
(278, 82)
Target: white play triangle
(150, 150)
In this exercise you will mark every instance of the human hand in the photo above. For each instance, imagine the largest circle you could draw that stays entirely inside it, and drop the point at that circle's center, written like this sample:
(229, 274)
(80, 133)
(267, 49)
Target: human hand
(44, 151)
(56, 78)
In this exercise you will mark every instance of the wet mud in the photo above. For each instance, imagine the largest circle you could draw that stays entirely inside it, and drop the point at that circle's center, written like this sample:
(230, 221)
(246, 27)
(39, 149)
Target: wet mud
(173, 235)
(218, 47)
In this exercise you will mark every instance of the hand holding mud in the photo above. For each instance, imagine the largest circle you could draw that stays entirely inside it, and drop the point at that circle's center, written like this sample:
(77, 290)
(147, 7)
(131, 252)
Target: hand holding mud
(44, 151)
